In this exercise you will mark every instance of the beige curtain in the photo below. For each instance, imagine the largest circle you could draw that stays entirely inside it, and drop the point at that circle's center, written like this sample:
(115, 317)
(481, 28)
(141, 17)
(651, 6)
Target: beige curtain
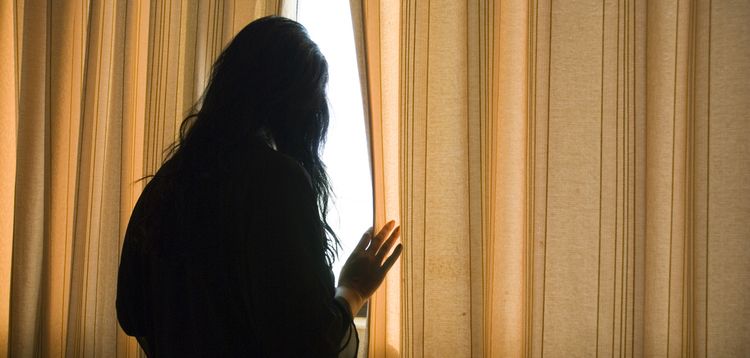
(377, 39)
(92, 92)
(572, 177)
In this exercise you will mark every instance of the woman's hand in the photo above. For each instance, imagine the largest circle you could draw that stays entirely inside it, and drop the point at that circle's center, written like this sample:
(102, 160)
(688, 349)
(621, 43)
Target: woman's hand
(367, 266)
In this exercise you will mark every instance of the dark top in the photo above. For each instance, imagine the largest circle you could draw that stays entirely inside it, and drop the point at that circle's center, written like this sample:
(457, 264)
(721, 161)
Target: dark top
(226, 258)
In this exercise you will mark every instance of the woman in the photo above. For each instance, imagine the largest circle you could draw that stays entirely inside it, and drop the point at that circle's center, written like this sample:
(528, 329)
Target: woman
(228, 252)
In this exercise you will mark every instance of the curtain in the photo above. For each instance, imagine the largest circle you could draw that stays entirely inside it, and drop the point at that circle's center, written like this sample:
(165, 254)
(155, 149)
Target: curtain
(378, 49)
(571, 178)
(92, 94)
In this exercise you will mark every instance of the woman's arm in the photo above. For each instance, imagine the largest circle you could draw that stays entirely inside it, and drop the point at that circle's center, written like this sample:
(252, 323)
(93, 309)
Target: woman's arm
(292, 291)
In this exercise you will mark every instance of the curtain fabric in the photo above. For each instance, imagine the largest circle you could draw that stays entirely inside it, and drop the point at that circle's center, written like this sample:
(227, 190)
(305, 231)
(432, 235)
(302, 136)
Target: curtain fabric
(92, 94)
(571, 178)
(378, 48)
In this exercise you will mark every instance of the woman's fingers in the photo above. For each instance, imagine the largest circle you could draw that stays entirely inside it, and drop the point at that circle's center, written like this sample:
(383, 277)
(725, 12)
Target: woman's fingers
(377, 241)
(392, 259)
(362, 245)
(388, 244)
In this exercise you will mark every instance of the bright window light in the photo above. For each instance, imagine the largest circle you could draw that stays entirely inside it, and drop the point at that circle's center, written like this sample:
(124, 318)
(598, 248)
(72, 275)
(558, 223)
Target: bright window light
(346, 151)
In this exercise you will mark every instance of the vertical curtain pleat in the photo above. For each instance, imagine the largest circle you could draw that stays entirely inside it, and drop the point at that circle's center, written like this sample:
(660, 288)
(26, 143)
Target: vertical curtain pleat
(67, 83)
(666, 84)
(93, 94)
(507, 119)
(30, 211)
(724, 129)
(379, 65)
(8, 151)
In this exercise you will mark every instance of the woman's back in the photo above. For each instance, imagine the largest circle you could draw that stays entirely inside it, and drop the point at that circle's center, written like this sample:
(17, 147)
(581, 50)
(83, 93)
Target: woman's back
(217, 256)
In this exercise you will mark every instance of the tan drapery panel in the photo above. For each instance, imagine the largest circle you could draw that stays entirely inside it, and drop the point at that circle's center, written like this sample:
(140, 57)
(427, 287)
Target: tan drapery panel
(572, 177)
(378, 46)
(92, 94)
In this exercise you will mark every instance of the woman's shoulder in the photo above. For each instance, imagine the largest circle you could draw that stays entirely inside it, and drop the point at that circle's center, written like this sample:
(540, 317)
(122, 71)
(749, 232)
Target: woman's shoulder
(278, 168)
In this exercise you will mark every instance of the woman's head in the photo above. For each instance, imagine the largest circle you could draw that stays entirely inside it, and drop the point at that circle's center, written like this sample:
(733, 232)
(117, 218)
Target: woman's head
(270, 78)
(268, 83)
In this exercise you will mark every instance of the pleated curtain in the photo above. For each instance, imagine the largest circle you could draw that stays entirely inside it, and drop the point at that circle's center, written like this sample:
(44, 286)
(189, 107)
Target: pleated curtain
(92, 92)
(572, 178)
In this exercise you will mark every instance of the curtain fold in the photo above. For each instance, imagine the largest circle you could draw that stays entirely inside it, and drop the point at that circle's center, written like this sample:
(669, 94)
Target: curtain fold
(8, 138)
(376, 35)
(92, 94)
(572, 176)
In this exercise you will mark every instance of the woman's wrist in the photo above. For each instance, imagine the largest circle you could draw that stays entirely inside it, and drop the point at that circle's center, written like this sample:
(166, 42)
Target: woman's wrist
(352, 297)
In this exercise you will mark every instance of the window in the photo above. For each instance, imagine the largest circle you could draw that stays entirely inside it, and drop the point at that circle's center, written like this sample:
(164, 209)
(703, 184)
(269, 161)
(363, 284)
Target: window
(346, 151)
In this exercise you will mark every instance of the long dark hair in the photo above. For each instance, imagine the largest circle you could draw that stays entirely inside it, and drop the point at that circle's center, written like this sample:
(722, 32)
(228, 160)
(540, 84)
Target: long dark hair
(268, 83)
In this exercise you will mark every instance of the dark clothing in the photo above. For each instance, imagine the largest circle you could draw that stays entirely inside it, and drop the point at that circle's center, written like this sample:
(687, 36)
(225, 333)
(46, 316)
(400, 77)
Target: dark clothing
(226, 258)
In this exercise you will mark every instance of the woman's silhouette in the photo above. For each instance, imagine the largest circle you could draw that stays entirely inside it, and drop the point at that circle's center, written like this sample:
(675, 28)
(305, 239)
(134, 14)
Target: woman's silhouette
(228, 252)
